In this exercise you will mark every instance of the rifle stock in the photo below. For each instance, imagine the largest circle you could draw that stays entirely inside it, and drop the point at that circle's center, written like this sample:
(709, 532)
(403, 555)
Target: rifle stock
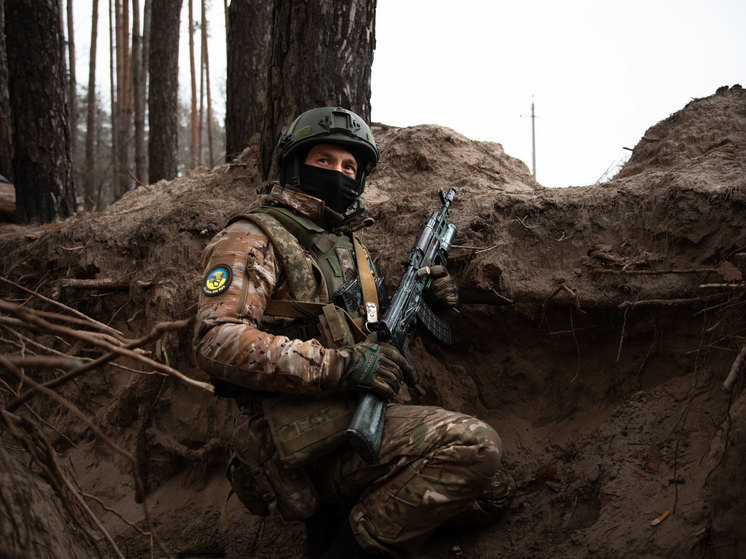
(397, 327)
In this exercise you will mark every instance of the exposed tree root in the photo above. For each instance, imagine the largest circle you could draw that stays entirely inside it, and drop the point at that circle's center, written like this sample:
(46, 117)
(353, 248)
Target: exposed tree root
(28, 432)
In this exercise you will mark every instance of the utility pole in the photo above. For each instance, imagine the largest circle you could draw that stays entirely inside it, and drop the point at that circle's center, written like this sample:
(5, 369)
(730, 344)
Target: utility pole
(533, 139)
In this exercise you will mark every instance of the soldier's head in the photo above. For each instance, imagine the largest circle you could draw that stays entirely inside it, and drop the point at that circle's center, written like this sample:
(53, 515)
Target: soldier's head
(328, 152)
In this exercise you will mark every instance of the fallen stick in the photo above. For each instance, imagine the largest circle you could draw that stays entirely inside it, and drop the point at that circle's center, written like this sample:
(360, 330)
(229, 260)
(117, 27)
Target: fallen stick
(60, 305)
(653, 272)
(734, 369)
(101, 283)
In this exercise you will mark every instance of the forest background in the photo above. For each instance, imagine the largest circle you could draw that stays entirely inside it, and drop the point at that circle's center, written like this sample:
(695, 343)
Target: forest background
(283, 58)
(584, 127)
(599, 73)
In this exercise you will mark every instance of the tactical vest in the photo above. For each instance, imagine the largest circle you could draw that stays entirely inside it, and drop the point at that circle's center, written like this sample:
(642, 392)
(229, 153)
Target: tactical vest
(333, 253)
(335, 257)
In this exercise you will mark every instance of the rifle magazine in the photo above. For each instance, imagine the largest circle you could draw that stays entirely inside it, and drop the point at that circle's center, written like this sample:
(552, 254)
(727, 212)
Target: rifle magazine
(436, 327)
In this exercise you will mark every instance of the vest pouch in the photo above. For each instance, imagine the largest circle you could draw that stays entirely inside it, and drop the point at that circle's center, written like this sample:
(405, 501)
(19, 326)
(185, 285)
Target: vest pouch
(306, 427)
(262, 481)
(338, 328)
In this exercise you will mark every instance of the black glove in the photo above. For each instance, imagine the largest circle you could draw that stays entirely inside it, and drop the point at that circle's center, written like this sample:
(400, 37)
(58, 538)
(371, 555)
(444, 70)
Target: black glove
(374, 367)
(442, 293)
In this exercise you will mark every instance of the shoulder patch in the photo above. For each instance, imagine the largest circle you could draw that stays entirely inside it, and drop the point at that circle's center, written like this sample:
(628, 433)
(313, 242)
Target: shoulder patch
(217, 280)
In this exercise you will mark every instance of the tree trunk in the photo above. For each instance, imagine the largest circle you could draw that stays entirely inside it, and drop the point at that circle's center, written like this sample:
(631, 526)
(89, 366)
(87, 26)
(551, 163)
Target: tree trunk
(89, 194)
(193, 121)
(72, 96)
(114, 101)
(225, 14)
(138, 89)
(6, 133)
(41, 136)
(201, 118)
(164, 85)
(321, 55)
(248, 35)
(147, 11)
(206, 70)
(124, 99)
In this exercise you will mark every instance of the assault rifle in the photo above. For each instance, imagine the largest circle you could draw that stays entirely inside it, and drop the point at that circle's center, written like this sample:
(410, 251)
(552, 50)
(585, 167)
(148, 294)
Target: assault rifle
(405, 312)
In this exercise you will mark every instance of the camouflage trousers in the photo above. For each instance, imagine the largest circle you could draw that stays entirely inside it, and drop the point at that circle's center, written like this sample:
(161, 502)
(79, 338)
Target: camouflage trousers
(433, 465)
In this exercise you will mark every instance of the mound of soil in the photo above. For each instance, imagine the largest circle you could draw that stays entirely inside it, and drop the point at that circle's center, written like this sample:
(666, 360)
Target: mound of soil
(597, 325)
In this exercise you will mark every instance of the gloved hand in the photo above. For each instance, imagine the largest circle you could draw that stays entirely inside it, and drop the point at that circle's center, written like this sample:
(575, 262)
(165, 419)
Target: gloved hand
(374, 367)
(442, 293)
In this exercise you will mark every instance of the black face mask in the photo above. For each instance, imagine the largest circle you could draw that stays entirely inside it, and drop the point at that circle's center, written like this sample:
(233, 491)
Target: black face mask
(336, 189)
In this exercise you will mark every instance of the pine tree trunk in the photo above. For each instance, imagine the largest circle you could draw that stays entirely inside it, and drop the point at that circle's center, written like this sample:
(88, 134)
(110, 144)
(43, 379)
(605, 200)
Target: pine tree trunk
(225, 14)
(206, 69)
(6, 133)
(37, 89)
(144, 86)
(89, 194)
(72, 97)
(201, 118)
(124, 99)
(138, 90)
(193, 121)
(164, 85)
(321, 55)
(114, 103)
(248, 34)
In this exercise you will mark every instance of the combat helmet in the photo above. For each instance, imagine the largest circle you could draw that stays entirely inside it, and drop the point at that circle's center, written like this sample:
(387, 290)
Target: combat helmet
(329, 125)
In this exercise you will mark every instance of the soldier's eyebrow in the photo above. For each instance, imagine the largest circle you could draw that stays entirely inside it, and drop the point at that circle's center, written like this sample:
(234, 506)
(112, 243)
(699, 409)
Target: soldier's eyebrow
(326, 154)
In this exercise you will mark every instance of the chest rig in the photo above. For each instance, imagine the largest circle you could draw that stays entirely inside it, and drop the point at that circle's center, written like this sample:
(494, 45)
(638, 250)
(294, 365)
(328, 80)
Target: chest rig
(345, 265)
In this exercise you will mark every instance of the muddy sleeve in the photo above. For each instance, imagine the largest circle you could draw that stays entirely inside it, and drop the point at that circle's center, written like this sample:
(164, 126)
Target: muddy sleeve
(240, 275)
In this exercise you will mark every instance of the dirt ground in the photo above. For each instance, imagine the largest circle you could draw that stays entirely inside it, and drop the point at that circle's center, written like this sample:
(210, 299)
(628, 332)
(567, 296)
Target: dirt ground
(596, 328)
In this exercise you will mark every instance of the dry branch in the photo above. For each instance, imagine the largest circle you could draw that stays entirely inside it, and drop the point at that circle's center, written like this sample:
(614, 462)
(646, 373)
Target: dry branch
(44, 361)
(32, 318)
(101, 283)
(60, 305)
(666, 302)
(734, 369)
(653, 272)
(477, 250)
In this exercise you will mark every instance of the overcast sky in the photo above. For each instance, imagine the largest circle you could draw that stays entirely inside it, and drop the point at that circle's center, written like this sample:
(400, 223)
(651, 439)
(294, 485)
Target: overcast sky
(600, 72)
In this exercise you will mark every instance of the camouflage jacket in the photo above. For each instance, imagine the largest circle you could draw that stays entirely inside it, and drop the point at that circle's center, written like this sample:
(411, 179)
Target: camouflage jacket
(233, 338)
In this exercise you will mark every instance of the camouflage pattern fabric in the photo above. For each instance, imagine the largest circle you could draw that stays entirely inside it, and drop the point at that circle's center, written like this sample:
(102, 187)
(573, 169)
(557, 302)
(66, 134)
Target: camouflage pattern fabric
(433, 466)
(233, 340)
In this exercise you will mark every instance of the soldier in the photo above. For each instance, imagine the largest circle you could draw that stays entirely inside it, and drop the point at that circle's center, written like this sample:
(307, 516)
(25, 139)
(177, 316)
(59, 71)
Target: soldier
(271, 336)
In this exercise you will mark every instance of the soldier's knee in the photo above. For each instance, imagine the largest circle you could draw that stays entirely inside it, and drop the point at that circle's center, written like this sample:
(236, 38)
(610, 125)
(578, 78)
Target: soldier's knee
(490, 451)
(473, 446)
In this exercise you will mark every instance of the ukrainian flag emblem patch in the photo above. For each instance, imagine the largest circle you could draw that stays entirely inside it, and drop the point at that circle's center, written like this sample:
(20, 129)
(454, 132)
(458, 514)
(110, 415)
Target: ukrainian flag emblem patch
(217, 280)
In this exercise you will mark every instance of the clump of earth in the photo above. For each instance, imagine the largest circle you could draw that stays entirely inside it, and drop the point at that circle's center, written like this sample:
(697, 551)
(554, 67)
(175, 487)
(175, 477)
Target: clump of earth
(596, 328)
